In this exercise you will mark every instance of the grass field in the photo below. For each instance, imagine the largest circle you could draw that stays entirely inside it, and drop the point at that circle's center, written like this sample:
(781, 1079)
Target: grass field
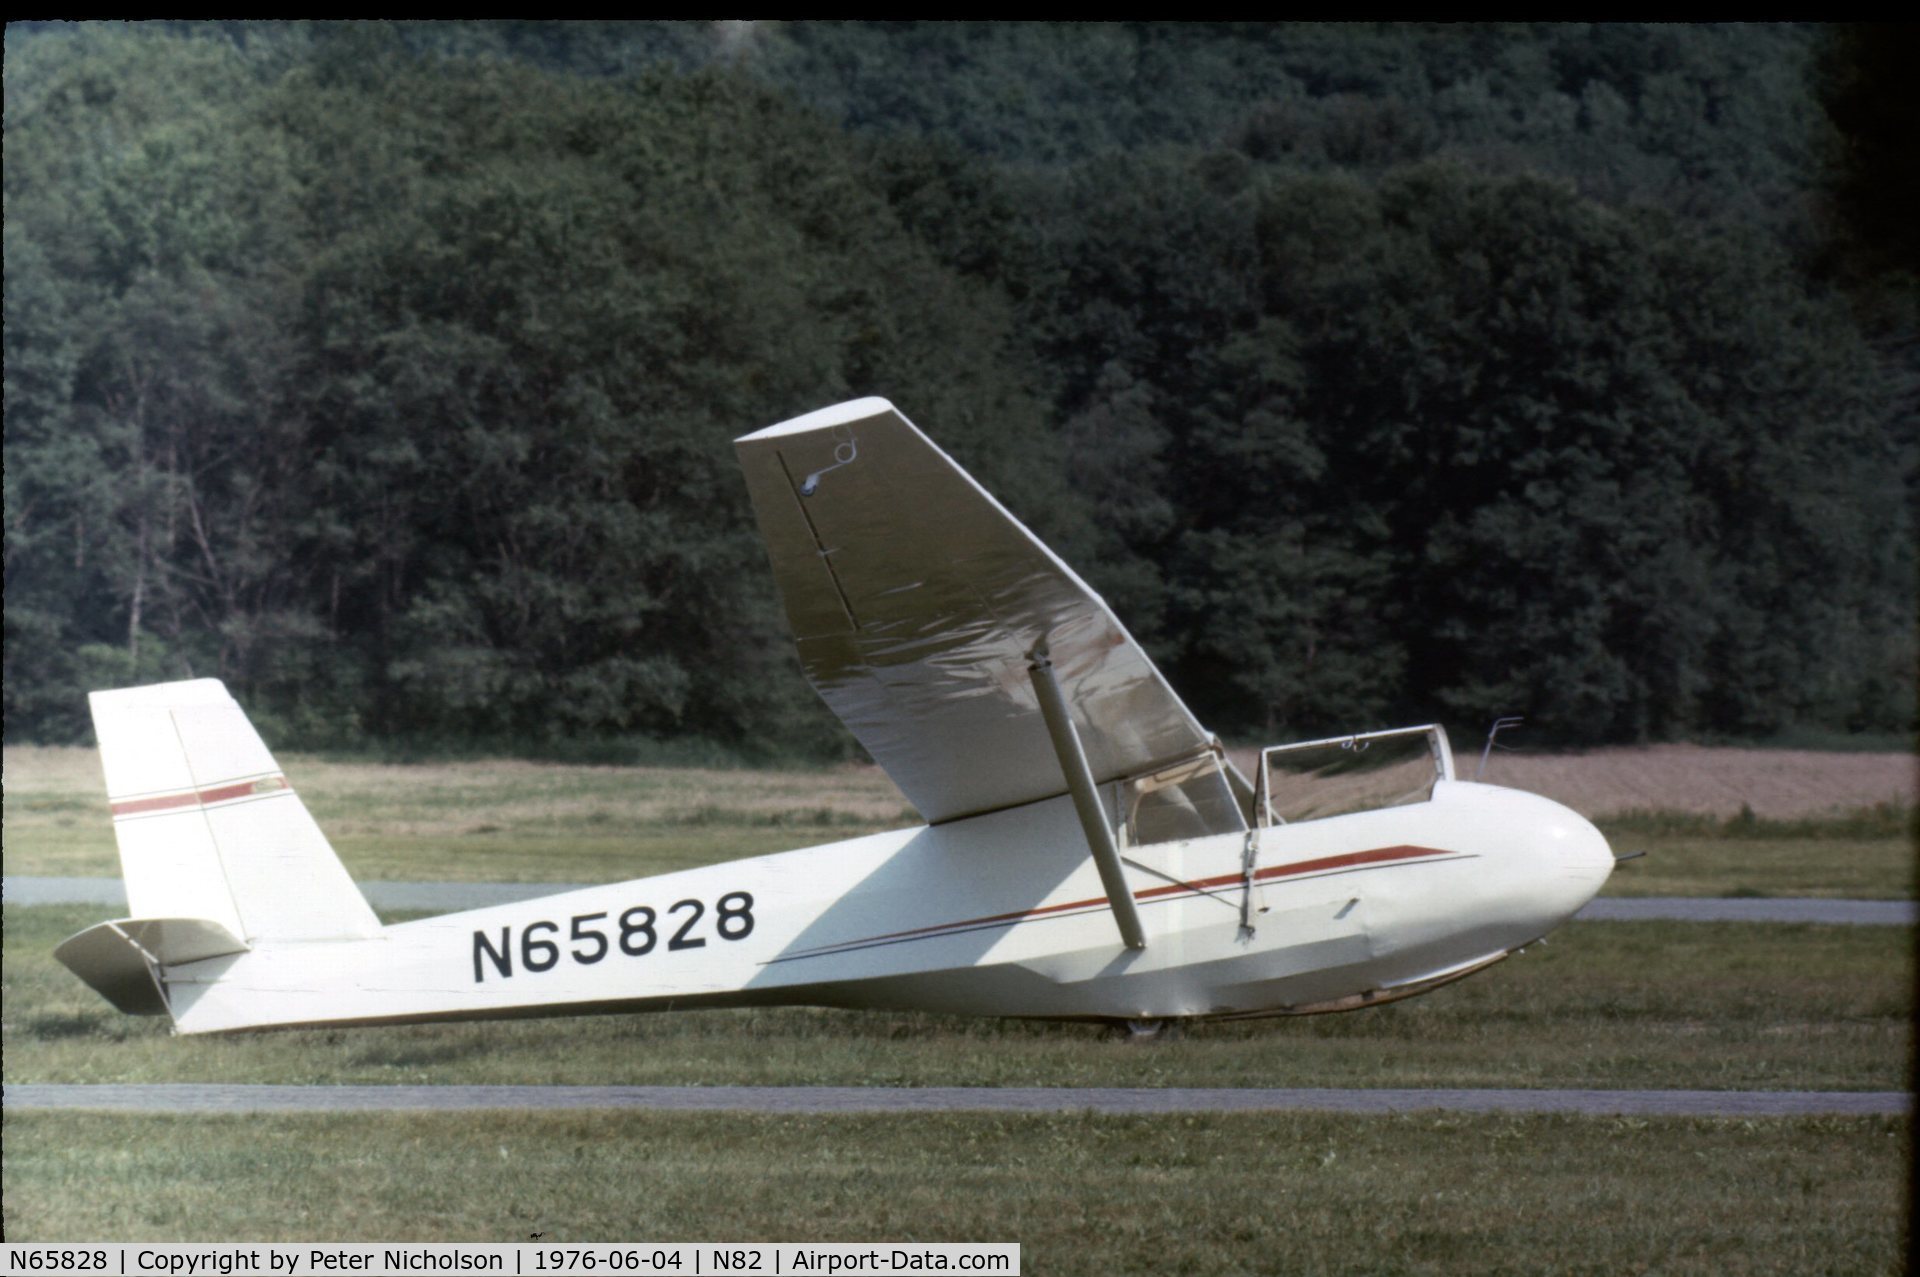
(531, 822)
(1606, 1005)
(1652, 1004)
(501, 821)
(1865, 854)
(1082, 1194)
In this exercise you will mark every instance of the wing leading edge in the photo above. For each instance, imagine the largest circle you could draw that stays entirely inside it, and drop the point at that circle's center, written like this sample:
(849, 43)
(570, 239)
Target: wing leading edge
(919, 605)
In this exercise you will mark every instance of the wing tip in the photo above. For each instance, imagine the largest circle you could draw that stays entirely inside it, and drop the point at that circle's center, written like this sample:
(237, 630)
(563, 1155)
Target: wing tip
(195, 691)
(824, 418)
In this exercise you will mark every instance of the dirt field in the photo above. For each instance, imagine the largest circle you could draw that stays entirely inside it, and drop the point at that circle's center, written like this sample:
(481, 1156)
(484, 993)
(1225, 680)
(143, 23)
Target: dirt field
(1778, 784)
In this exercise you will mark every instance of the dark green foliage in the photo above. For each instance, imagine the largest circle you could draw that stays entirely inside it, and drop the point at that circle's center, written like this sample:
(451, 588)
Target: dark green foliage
(389, 372)
(1612, 452)
(1866, 84)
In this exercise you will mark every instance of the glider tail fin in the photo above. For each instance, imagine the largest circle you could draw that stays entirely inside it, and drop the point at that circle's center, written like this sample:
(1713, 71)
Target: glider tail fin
(209, 828)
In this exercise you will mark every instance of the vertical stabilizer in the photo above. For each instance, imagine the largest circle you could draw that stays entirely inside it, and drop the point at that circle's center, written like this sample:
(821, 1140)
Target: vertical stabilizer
(208, 826)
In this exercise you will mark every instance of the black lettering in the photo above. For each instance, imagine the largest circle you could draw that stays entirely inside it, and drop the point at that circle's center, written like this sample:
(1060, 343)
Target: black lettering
(583, 933)
(680, 940)
(528, 946)
(735, 921)
(629, 929)
(502, 957)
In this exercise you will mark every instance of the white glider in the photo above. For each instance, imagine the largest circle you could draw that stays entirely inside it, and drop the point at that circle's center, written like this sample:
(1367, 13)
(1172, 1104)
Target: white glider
(1088, 850)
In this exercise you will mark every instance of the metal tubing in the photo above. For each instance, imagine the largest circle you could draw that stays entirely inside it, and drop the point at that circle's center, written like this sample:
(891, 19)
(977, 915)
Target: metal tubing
(1086, 801)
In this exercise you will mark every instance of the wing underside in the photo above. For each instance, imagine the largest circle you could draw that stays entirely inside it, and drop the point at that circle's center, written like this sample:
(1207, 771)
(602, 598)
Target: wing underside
(919, 605)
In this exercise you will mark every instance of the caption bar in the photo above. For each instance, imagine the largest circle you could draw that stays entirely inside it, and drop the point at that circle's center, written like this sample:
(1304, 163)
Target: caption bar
(520, 1259)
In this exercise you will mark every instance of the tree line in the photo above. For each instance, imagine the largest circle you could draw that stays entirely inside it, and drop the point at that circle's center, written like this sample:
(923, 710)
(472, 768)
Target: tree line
(389, 372)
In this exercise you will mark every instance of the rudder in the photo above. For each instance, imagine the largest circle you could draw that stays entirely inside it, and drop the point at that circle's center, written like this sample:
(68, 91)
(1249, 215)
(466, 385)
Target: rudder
(207, 824)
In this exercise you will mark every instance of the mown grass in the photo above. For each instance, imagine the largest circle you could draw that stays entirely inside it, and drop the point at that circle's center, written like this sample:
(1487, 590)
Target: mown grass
(1828, 868)
(1878, 822)
(1615, 1005)
(525, 822)
(1082, 1194)
(1867, 854)
(484, 821)
(1630, 1005)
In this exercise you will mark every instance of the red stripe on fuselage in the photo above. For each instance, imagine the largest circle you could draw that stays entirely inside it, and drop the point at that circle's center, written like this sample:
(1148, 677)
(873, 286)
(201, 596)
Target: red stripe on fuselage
(1350, 860)
(1378, 856)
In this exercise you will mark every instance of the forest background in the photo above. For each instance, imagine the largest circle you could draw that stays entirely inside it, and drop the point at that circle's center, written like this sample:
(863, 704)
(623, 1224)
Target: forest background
(389, 371)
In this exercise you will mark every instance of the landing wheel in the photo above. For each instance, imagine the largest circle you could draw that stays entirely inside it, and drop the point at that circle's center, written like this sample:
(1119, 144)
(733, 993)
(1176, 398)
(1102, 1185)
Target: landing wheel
(1144, 1032)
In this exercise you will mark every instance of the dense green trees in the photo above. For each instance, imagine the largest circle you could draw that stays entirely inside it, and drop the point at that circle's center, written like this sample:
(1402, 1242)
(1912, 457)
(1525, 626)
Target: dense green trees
(390, 372)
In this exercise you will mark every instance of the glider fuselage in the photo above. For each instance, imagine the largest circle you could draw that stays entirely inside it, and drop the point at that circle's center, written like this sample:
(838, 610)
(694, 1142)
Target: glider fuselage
(1000, 914)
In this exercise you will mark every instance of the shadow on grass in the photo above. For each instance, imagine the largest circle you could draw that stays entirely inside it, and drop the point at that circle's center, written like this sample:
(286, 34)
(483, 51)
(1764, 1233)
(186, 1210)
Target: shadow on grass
(408, 1055)
(72, 1024)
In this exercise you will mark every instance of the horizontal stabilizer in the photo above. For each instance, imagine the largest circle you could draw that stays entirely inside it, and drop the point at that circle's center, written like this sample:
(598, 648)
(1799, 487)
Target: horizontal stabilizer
(122, 960)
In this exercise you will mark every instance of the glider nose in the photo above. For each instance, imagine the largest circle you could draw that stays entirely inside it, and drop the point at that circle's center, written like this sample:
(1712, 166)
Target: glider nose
(1579, 859)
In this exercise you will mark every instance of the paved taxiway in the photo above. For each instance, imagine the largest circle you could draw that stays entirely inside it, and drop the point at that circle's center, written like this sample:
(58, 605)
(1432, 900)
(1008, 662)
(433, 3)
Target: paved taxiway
(192, 1097)
(446, 896)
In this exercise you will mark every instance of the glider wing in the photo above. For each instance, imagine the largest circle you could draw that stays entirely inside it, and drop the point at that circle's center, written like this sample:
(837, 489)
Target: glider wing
(920, 606)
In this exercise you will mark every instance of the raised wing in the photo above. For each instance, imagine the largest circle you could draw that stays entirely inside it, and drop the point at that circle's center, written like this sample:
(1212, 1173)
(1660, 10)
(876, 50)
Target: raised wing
(919, 605)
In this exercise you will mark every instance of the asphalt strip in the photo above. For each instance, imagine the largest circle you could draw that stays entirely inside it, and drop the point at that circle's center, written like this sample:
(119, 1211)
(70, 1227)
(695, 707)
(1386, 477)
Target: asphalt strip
(224, 1098)
(440, 896)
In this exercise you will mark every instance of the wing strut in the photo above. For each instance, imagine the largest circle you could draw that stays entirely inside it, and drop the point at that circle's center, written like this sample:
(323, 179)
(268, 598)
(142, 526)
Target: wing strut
(1086, 800)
